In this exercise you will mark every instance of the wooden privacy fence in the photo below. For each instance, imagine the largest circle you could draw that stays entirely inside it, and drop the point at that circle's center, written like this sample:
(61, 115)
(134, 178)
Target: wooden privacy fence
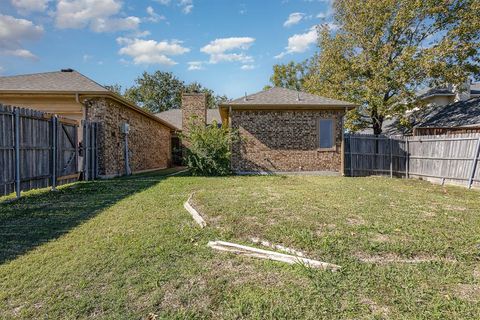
(444, 158)
(37, 150)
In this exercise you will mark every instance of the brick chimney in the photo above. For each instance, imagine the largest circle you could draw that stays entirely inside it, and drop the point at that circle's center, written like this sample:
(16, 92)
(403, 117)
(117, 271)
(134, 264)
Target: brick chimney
(194, 109)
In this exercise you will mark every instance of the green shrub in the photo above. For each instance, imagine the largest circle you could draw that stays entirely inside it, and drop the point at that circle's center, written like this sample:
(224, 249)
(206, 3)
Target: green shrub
(208, 149)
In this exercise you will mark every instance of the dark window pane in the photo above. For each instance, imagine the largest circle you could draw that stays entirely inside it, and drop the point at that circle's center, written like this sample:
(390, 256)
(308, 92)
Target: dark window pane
(326, 133)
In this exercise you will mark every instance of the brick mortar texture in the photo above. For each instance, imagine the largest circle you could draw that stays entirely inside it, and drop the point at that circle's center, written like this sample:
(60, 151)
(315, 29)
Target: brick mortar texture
(194, 110)
(149, 141)
(283, 141)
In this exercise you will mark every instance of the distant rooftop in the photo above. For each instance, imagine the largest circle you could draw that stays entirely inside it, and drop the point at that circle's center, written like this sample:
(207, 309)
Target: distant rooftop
(459, 114)
(444, 91)
(283, 96)
(67, 80)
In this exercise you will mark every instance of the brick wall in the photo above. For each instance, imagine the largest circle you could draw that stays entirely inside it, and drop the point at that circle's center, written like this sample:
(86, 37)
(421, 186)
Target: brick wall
(194, 109)
(283, 141)
(148, 140)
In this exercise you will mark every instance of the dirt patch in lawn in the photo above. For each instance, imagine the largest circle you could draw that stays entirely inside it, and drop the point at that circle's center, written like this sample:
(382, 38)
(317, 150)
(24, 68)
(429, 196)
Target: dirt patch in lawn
(355, 221)
(380, 238)
(375, 308)
(468, 292)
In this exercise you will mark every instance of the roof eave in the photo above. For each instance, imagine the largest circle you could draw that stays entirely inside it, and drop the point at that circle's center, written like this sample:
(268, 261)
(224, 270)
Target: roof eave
(287, 106)
(93, 94)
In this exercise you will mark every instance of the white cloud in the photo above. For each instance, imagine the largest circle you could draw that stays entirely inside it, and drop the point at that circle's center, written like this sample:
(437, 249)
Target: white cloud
(151, 51)
(293, 19)
(195, 65)
(20, 53)
(218, 48)
(27, 6)
(13, 32)
(153, 16)
(247, 67)
(299, 43)
(99, 15)
(185, 5)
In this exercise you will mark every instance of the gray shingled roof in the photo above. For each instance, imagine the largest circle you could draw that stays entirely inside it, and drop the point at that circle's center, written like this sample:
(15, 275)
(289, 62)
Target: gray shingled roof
(174, 117)
(283, 96)
(459, 114)
(57, 81)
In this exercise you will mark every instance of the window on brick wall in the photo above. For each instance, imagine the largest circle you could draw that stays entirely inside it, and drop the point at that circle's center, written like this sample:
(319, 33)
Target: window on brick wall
(326, 134)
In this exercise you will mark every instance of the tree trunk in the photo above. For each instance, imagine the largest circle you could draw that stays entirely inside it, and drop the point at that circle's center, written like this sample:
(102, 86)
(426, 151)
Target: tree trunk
(377, 122)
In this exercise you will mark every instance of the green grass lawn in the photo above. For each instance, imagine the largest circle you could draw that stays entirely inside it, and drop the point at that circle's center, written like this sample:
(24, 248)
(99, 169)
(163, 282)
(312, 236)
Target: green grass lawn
(126, 248)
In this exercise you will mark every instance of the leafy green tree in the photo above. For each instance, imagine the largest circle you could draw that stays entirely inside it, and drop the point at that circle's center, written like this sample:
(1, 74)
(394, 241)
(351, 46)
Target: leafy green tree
(290, 75)
(115, 88)
(156, 92)
(384, 51)
(162, 91)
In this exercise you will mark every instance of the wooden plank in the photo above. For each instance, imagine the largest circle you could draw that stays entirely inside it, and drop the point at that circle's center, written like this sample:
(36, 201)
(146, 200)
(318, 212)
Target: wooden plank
(194, 213)
(270, 255)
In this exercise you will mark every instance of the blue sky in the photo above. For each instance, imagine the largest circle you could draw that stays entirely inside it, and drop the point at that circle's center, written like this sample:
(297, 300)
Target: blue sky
(228, 46)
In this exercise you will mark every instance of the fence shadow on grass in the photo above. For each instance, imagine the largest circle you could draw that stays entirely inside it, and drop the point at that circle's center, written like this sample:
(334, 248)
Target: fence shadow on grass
(43, 216)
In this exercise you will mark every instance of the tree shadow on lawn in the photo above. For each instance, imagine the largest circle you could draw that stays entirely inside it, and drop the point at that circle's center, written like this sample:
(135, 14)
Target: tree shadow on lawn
(41, 215)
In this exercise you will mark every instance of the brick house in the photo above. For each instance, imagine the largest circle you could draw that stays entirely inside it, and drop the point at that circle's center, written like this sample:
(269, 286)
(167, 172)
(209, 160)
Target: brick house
(70, 94)
(283, 130)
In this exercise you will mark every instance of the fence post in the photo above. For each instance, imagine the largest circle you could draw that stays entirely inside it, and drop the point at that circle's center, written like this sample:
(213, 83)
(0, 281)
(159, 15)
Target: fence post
(407, 156)
(351, 153)
(474, 165)
(54, 152)
(86, 150)
(17, 152)
(391, 156)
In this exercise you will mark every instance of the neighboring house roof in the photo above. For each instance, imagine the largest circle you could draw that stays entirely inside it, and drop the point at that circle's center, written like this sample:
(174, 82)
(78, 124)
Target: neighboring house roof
(475, 88)
(278, 96)
(435, 92)
(174, 117)
(442, 91)
(57, 81)
(459, 114)
(67, 81)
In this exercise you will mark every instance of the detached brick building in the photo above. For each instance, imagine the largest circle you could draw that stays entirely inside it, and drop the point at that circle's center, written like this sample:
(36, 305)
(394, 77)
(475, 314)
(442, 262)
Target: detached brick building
(70, 94)
(284, 130)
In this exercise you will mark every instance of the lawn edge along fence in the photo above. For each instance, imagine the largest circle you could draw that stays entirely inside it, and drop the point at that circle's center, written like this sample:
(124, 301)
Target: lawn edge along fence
(37, 150)
(451, 159)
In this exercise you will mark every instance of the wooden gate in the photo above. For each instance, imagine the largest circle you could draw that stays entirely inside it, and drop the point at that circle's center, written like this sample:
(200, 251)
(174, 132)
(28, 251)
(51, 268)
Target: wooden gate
(37, 150)
(67, 153)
